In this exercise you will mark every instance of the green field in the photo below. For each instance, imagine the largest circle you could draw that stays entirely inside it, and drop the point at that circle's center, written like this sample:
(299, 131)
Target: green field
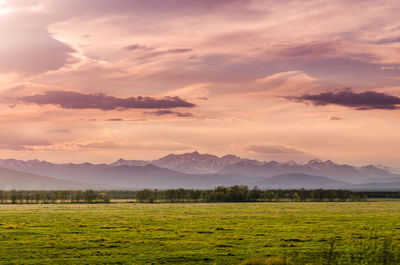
(223, 233)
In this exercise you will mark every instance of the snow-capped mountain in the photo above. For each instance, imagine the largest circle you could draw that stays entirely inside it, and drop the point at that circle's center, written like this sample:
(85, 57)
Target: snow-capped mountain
(192, 163)
(196, 163)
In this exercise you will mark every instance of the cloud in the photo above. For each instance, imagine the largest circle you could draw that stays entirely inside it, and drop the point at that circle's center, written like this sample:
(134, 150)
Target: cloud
(169, 112)
(15, 147)
(60, 131)
(361, 101)
(273, 149)
(389, 40)
(75, 100)
(28, 48)
(73, 8)
(15, 142)
(134, 47)
(136, 146)
(334, 118)
(121, 119)
(103, 145)
(311, 49)
(165, 52)
(194, 91)
(293, 82)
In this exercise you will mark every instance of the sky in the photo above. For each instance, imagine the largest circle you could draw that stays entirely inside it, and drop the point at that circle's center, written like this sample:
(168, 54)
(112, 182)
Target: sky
(97, 80)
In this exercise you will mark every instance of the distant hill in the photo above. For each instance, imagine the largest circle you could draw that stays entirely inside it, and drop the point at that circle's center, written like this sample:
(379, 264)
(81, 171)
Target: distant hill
(11, 179)
(297, 181)
(373, 186)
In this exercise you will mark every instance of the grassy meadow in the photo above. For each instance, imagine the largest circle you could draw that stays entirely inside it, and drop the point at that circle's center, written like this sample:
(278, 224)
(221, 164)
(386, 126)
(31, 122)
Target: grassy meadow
(221, 233)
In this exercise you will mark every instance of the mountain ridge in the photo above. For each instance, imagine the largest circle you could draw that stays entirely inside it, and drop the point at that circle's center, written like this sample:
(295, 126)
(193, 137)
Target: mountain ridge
(195, 170)
(13, 179)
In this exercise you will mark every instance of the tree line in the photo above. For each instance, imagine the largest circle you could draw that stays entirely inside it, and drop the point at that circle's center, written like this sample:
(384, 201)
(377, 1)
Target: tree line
(63, 196)
(244, 194)
(219, 194)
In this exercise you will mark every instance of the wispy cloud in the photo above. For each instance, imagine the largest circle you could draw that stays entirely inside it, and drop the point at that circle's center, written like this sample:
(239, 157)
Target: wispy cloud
(273, 149)
(136, 146)
(15, 147)
(21, 143)
(165, 52)
(103, 145)
(313, 49)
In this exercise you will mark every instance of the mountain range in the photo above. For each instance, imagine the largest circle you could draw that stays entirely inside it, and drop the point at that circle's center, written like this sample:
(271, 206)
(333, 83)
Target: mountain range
(194, 170)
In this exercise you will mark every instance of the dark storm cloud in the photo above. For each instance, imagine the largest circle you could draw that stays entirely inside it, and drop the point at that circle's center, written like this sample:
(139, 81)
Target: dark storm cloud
(360, 101)
(74, 100)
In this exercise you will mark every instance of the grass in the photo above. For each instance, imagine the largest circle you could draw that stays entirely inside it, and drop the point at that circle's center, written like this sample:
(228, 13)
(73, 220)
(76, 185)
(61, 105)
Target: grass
(224, 233)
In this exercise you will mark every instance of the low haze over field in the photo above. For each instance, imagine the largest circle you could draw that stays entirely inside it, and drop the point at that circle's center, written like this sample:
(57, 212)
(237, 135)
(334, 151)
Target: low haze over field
(97, 80)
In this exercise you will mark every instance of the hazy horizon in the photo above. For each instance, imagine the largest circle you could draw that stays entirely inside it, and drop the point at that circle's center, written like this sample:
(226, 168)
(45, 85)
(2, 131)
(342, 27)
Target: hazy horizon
(98, 80)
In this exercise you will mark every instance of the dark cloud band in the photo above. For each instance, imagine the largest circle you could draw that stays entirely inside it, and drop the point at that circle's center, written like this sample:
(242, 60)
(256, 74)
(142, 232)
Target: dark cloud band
(74, 100)
(361, 101)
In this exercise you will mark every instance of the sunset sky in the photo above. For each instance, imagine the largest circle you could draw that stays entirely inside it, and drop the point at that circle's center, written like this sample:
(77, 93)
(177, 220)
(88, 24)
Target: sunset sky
(96, 80)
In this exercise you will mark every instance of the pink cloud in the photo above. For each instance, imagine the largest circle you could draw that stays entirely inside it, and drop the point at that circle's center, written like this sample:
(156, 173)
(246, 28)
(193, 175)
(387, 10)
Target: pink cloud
(28, 48)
